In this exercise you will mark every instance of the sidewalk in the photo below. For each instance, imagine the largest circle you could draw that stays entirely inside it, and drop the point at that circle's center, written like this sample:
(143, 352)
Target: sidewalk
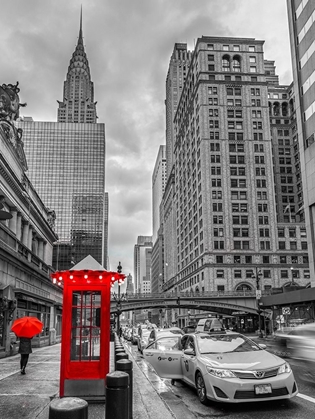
(28, 396)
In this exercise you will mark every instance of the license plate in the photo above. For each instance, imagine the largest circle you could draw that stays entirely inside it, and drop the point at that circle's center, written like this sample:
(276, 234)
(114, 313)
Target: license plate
(263, 389)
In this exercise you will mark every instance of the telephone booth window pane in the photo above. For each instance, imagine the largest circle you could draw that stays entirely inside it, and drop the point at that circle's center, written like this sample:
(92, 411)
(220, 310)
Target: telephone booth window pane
(85, 330)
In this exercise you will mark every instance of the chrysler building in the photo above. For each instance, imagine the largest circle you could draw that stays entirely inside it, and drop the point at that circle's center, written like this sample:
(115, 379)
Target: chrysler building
(78, 104)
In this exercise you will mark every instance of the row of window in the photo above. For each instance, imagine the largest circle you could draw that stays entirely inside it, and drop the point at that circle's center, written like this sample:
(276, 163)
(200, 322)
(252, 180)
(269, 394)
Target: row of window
(251, 48)
(249, 274)
(266, 259)
(263, 245)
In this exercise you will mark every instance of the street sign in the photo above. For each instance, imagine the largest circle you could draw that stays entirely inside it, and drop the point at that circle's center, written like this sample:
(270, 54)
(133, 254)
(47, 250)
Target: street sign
(285, 311)
(258, 294)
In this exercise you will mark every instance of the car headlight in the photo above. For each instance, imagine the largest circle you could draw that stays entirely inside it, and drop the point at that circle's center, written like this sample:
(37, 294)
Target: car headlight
(220, 373)
(285, 368)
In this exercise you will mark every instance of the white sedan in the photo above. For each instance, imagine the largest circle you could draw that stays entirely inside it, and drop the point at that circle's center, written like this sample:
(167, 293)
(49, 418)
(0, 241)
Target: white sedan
(223, 366)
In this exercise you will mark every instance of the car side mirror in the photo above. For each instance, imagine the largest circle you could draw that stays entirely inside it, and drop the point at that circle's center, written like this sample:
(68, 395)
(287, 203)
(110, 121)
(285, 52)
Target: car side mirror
(190, 352)
(263, 346)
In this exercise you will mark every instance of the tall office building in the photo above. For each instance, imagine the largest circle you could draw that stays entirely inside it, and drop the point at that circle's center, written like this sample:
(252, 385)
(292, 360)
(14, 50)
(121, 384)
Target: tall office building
(142, 264)
(301, 14)
(78, 104)
(158, 188)
(224, 191)
(67, 167)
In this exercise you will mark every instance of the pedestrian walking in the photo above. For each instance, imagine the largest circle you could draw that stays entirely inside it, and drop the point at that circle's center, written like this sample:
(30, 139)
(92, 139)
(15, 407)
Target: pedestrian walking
(25, 348)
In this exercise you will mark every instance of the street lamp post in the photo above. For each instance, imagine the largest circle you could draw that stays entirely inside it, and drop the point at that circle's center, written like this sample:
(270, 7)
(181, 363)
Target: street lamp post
(119, 269)
(258, 296)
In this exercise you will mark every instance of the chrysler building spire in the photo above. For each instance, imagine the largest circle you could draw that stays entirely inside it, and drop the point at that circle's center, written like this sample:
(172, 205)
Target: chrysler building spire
(78, 104)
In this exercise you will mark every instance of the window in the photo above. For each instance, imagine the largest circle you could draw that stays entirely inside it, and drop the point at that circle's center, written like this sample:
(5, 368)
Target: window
(219, 259)
(251, 48)
(215, 147)
(266, 259)
(252, 59)
(248, 259)
(212, 90)
(218, 244)
(281, 244)
(236, 64)
(218, 232)
(284, 274)
(238, 274)
(220, 274)
(218, 220)
(220, 288)
(210, 67)
(237, 259)
(292, 233)
(216, 170)
(211, 57)
(217, 207)
(210, 46)
(281, 232)
(213, 123)
(225, 48)
(225, 63)
(252, 69)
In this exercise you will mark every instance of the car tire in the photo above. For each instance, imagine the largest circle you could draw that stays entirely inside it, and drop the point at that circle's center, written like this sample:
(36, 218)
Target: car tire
(201, 389)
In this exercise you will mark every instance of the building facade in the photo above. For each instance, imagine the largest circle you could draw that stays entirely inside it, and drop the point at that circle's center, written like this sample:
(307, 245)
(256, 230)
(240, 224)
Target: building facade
(302, 40)
(67, 168)
(27, 234)
(224, 199)
(158, 188)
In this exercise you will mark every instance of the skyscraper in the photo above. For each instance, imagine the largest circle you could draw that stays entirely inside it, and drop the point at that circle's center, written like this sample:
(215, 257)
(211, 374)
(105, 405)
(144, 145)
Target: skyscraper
(224, 191)
(158, 187)
(67, 167)
(301, 15)
(78, 104)
(142, 264)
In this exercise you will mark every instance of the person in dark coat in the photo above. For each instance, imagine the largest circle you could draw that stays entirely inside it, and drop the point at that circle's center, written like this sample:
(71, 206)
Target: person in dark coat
(25, 348)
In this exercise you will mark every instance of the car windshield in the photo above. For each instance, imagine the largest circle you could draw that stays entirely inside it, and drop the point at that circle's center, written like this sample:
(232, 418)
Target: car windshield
(165, 344)
(223, 343)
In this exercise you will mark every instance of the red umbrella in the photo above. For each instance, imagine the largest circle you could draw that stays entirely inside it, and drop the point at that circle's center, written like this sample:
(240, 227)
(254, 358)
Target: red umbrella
(28, 326)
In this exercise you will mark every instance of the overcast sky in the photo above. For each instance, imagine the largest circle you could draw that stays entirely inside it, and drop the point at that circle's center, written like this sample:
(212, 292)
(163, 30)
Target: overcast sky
(128, 44)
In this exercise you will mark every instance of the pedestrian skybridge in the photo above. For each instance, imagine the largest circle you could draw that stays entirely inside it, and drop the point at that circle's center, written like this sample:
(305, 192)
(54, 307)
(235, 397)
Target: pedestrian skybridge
(225, 303)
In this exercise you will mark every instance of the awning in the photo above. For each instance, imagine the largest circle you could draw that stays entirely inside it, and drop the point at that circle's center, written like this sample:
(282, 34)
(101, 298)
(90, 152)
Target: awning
(32, 298)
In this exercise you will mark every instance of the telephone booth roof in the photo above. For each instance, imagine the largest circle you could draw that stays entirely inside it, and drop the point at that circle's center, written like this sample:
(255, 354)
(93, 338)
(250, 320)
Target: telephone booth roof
(88, 271)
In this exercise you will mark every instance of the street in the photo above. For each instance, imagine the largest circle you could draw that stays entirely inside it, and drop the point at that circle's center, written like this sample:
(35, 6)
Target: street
(183, 401)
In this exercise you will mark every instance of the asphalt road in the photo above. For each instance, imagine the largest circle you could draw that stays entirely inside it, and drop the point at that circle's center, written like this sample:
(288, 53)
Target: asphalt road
(183, 401)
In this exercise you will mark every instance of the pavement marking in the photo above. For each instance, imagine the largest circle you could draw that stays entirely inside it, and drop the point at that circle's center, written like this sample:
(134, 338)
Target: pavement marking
(306, 397)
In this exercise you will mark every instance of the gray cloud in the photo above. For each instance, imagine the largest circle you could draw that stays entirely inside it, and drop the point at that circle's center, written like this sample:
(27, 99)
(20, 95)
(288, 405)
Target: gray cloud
(128, 45)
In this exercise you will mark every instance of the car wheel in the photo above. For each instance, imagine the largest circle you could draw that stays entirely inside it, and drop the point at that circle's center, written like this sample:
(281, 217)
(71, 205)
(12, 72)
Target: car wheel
(201, 389)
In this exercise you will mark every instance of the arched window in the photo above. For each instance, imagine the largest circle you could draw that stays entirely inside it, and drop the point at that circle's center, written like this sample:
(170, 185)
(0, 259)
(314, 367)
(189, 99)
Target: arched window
(284, 107)
(243, 287)
(236, 64)
(291, 106)
(226, 63)
(276, 109)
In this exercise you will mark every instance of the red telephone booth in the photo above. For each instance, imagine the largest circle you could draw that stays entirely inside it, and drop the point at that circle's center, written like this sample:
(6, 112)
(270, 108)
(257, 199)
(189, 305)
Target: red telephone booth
(85, 340)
